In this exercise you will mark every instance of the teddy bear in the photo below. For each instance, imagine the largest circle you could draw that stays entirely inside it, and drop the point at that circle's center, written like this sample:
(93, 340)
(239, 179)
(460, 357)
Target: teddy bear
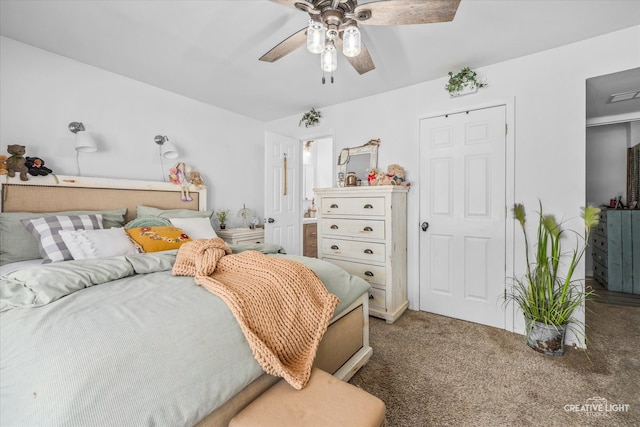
(196, 179)
(36, 166)
(16, 162)
(381, 179)
(3, 164)
(371, 175)
(396, 173)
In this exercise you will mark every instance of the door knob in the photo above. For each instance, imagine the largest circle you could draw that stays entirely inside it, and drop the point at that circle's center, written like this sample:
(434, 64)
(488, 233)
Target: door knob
(424, 226)
(270, 220)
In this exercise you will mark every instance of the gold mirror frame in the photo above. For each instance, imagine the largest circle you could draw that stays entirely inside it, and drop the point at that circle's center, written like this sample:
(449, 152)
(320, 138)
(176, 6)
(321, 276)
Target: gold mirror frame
(359, 160)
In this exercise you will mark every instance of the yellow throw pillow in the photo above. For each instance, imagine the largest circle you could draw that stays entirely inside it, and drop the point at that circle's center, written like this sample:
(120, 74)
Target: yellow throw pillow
(155, 239)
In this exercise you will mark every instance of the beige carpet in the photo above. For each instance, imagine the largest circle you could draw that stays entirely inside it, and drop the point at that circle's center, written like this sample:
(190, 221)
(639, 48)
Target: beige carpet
(437, 371)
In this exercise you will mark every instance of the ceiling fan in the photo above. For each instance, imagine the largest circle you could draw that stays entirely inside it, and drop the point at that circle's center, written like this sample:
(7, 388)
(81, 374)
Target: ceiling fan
(333, 25)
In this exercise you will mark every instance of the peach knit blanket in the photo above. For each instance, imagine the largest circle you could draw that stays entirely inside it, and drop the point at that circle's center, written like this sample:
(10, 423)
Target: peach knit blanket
(281, 305)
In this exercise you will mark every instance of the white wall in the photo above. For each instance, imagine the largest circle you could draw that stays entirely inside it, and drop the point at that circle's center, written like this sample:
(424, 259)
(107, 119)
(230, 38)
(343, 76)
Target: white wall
(607, 163)
(41, 93)
(548, 89)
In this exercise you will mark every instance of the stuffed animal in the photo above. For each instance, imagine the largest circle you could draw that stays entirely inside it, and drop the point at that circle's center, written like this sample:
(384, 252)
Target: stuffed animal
(373, 173)
(381, 179)
(36, 166)
(196, 179)
(397, 175)
(179, 175)
(3, 164)
(16, 162)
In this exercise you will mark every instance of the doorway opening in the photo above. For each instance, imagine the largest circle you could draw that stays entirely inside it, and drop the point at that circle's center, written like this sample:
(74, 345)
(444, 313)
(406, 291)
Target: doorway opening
(317, 168)
(612, 180)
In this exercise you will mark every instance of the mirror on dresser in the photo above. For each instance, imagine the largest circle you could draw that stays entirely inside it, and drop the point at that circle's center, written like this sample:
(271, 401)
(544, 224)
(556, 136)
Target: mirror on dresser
(358, 160)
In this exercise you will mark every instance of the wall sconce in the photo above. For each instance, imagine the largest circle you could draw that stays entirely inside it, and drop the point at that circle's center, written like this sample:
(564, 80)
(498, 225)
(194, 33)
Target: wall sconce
(84, 141)
(167, 151)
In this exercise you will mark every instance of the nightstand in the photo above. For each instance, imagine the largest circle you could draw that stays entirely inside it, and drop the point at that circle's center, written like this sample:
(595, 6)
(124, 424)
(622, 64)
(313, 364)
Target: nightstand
(241, 236)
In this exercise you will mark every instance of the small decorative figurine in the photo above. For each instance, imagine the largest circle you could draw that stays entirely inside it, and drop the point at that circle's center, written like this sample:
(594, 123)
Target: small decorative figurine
(178, 176)
(16, 162)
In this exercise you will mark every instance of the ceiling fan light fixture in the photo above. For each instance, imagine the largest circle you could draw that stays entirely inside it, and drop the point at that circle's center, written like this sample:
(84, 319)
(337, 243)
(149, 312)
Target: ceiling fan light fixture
(315, 37)
(329, 58)
(352, 45)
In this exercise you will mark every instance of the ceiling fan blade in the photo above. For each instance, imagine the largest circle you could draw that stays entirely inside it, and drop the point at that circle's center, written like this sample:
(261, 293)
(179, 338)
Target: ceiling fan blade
(286, 46)
(363, 62)
(406, 12)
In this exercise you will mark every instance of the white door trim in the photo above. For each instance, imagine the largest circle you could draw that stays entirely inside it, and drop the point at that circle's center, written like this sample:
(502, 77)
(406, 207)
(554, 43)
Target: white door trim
(509, 104)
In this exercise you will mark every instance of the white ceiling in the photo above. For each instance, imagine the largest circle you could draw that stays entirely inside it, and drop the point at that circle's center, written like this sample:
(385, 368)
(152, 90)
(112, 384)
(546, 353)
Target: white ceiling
(209, 50)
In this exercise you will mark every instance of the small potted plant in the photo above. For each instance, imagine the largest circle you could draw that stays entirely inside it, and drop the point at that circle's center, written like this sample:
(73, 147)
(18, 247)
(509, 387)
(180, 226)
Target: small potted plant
(222, 218)
(310, 118)
(546, 299)
(466, 80)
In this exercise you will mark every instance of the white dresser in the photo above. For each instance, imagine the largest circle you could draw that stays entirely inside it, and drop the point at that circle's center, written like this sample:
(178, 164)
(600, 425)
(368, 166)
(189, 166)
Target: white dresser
(364, 231)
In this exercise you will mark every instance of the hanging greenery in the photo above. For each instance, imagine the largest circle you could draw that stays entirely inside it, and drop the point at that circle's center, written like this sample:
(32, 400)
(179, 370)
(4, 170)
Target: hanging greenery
(465, 78)
(310, 118)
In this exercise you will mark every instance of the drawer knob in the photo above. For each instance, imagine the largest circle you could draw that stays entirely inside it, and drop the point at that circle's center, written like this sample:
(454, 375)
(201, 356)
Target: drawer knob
(368, 206)
(334, 227)
(368, 251)
(368, 273)
(335, 247)
(368, 229)
(334, 206)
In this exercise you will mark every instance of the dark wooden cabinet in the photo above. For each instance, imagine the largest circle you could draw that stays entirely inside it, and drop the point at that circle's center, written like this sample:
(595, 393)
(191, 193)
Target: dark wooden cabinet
(310, 240)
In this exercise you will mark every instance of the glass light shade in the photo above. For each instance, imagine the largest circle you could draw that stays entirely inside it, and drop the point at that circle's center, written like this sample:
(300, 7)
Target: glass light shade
(168, 150)
(315, 37)
(85, 142)
(351, 44)
(329, 58)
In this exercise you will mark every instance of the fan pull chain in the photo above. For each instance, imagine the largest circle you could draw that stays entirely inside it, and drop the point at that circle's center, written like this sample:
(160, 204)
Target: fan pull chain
(324, 80)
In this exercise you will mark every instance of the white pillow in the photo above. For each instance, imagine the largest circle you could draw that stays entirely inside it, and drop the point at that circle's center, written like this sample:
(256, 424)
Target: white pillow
(196, 228)
(108, 242)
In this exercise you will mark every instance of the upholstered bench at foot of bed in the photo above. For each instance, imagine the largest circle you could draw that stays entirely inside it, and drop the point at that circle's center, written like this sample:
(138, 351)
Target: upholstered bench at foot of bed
(325, 401)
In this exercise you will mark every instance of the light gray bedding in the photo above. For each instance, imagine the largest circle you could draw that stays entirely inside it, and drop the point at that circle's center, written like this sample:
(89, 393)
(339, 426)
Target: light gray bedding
(122, 342)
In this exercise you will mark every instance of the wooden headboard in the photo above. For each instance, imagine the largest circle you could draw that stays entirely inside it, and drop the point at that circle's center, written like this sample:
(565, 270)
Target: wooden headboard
(66, 193)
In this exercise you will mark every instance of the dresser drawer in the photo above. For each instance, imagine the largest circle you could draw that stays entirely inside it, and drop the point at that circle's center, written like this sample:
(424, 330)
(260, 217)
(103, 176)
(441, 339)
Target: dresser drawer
(361, 206)
(358, 228)
(310, 241)
(600, 274)
(599, 242)
(602, 217)
(310, 231)
(599, 255)
(601, 229)
(371, 273)
(366, 251)
(248, 241)
(377, 299)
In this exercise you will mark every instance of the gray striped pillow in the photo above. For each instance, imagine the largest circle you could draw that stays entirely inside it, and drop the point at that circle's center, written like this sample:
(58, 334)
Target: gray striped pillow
(50, 243)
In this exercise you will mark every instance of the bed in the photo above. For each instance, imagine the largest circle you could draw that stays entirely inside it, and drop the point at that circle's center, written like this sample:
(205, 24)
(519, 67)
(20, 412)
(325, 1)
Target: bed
(119, 339)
